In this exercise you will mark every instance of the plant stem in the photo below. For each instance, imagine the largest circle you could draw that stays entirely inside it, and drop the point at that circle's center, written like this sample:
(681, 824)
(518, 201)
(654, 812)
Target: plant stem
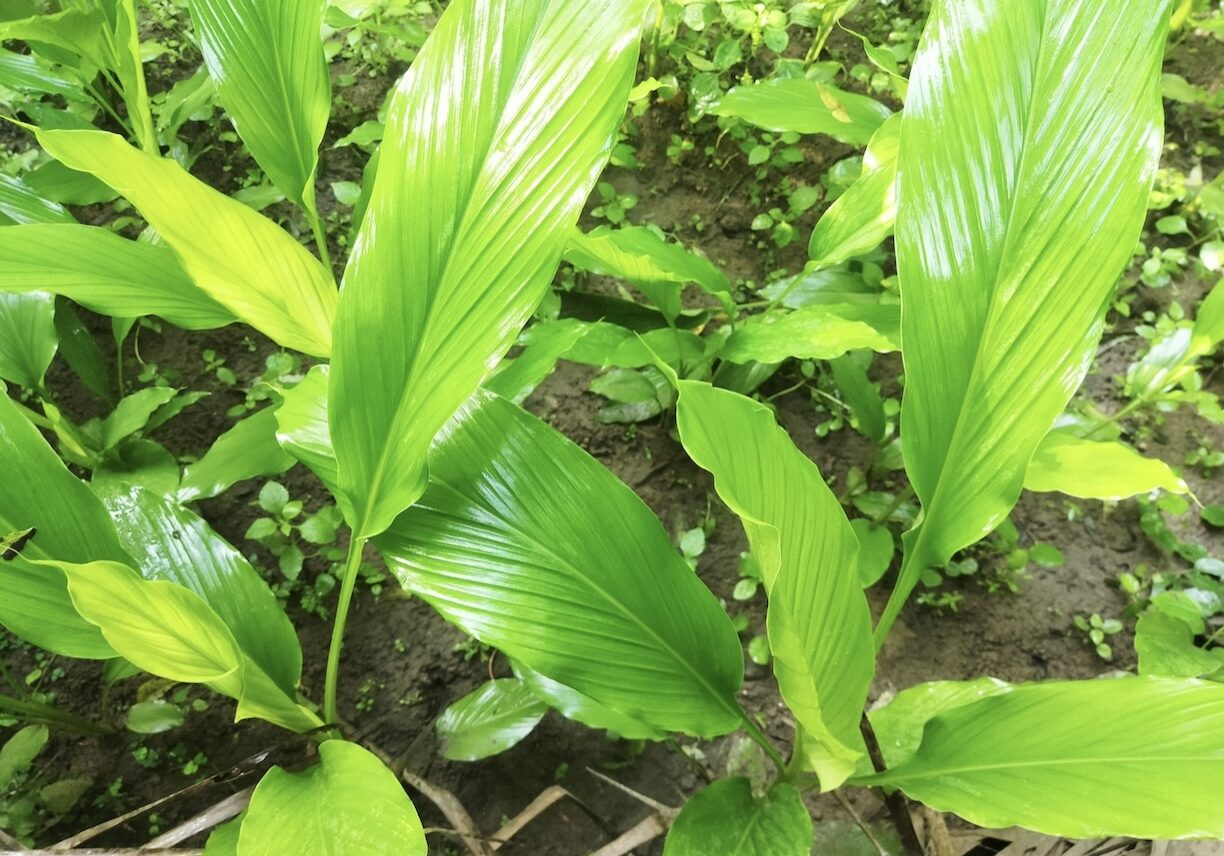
(761, 740)
(36, 712)
(898, 807)
(331, 711)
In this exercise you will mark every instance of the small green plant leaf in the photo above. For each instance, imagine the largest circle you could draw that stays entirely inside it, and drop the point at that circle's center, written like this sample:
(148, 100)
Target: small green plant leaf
(861, 396)
(1077, 759)
(728, 819)
(876, 551)
(236, 256)
(349, 803)
(20, 204)
(489, 720)
(1029, 143)
(822, 332)
(1166, 648)
(19, 752)
(153, 717)
(106, 273)
(1092, 469)
(518, 525)
(246, 451)
(504, 146)
(27, 337)
(818, 622)
(302, 429)
(69, 524)
(267, 62)
(805, 107)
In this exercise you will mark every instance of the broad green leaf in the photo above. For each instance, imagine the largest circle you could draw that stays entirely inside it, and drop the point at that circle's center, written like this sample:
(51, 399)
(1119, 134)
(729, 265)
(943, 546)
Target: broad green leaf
(349, 803)
(171, 543)
(818, 623)
(1209, 321)
(860, 395)
(862, 217)
(154, 716)
(1029, 144)
(267, 62)
(1092, 469)
(28, 73)
(516, 379)
(521, 531)
(1166, 648)
(805, 107)
(223, 841)
(657, 267)
(70, 525)
(27, 337)
(875, 552)
(498, 132)
(20, 204)
(19, 752)
(56, 182)
(727, 818)
(821, 287)
(302, 430)
(582, 708)
(237, 257)
(131, 414)
(106, 273)
(821, 332)
(247, 450)
(898, 725)
(80, 351)
(1078, 759)
(489, 720)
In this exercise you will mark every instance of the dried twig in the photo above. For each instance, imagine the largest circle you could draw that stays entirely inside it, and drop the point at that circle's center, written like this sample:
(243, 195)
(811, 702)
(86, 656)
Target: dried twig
(937, 832)
(665, 811)
(230, 807)
(854, 815)
(537, 807)
(454, 811)
(646, 831)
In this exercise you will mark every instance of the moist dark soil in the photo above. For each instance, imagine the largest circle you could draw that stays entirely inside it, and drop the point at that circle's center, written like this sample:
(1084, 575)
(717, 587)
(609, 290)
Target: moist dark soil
(403, 664)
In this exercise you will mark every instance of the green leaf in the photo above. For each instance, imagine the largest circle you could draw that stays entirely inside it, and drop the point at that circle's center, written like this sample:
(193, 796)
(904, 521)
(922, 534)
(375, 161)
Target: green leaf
(582, 708)
(861, 218)
(638, 255)
(1166, 648)
(1029, 144)
(21, 204)
(1096, 470)
(302, 430)
(520, 527)
(516, 379)
(132, 414)
(245, 451)
(153, 717)
(899, 724)
(106, 273)
(1077, 759)
(267, 62)
(27, 337)
(19, 752)
(70, 524)
(728, 819)
(80, 351)
(237, 257)
(176, 545)
(821, 332)
(223, 841)
(500, 127)
(861, 396)
(489, 720)
(876, 551)
(349, 803)
(1209, 321)
(29, 74)
(805, 107)
(819, 623)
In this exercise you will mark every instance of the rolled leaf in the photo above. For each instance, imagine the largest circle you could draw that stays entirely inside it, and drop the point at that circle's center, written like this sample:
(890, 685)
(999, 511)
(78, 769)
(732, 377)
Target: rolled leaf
(521, 532)
(106, 273)
(349, 803)
(805, 107)
(1077, 759)
(819, 623)
(69, 524)
(494, 139)
(266, 59)
(237, 257)
(1029, 143)
(1092, 469)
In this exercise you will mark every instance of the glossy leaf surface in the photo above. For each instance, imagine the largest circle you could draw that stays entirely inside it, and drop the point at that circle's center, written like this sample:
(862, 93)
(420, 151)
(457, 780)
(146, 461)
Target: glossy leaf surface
(822, 332)
(349, 803)
(806, 107)
(266, 59)
(302, 430)
(1092, 469)
(70, 525)
(727, 819)
(106, 273)
(489, 720)
(27, 337)
(533, 547)
(1029, 143)
(237, 257)
(819, 624)
(20, 204)
(494, 138)
(1077, 759)
(246, 451)
(582, 708)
